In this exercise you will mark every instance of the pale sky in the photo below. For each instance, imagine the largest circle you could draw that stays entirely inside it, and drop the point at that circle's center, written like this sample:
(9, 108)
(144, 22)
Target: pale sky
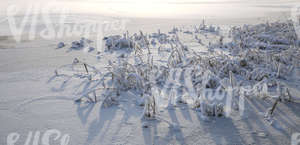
(155, 8)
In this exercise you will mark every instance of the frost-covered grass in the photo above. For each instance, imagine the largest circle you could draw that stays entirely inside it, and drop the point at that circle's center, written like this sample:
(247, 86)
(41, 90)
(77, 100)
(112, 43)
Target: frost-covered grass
(162, 70)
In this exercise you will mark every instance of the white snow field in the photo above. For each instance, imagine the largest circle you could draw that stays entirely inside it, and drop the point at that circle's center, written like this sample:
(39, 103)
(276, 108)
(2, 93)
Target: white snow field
(44, 84)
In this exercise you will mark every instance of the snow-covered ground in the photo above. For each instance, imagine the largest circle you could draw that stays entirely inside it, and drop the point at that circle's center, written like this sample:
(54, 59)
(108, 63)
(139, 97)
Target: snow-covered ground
(33, 98)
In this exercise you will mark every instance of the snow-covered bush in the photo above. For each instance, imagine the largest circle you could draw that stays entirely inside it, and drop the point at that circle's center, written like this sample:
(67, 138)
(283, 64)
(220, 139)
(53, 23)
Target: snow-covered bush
(116, 42)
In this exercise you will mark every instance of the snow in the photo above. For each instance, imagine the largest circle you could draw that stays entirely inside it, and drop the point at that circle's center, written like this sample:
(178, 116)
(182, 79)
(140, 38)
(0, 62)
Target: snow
(39, 85)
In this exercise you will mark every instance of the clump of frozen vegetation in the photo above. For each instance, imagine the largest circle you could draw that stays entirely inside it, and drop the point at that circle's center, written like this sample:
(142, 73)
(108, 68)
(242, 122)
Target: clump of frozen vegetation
(60, 45)
(82, 44)
(248, 61)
